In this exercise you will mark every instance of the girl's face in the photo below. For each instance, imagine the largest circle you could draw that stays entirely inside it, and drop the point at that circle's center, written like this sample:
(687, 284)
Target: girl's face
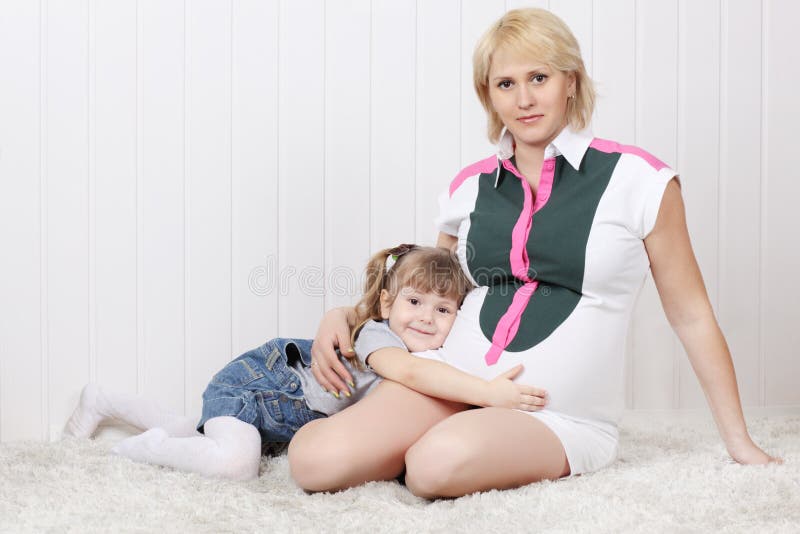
(421, 320)
(530, 97)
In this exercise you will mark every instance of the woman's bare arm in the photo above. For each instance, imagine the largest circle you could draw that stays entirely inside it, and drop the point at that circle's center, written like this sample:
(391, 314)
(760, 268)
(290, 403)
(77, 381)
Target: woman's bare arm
(447, 241)
(689, 312)
(333, 333)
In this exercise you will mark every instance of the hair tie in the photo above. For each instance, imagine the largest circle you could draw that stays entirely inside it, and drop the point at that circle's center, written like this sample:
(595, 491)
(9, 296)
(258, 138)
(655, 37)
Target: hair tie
(391, 259)
(395, 253)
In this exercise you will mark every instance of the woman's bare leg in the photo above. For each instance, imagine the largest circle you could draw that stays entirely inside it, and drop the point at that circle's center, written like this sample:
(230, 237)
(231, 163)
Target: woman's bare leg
(367, 441)
(482, 449)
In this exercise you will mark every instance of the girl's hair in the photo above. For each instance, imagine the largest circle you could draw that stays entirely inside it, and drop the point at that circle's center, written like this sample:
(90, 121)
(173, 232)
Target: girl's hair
(426, 269)
(542, 36)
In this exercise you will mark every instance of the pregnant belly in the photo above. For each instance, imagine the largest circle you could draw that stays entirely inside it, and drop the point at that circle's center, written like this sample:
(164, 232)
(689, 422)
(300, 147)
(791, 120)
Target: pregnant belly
(582, 371)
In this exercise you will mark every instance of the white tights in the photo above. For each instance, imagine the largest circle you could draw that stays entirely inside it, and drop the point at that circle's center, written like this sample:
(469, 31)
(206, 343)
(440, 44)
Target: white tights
(229, 449)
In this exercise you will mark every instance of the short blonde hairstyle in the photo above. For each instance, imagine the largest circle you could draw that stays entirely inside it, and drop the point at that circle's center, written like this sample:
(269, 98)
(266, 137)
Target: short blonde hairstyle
(545, 37)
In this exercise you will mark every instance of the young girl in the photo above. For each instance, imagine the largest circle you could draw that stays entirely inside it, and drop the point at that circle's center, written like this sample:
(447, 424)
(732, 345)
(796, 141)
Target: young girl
(264, 396)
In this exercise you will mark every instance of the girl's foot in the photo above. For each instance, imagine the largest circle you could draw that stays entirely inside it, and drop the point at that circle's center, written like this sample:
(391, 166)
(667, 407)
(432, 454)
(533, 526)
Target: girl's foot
(143, 448)
(88, 414)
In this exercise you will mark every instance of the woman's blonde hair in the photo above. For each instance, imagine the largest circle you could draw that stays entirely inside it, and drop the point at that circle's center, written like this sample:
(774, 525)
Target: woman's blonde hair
(426, 269)
(543, 36)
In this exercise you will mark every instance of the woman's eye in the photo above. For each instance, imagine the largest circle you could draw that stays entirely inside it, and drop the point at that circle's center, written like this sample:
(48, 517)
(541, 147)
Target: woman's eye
(505, 84)
(538, 78)
(413, 301)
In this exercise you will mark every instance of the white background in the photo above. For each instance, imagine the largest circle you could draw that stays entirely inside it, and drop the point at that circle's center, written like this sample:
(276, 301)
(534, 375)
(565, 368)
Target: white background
(182, 180)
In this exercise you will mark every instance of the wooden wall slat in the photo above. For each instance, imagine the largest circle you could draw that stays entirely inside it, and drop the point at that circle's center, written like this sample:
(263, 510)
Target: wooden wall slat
(347, 149)
(254, 169)
(21, 226)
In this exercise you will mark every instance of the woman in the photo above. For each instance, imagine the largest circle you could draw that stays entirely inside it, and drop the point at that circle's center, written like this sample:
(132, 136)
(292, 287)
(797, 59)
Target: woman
(557, 231)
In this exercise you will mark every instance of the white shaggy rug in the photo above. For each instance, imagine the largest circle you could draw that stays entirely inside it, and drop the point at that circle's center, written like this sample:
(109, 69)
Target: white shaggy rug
(671, 477)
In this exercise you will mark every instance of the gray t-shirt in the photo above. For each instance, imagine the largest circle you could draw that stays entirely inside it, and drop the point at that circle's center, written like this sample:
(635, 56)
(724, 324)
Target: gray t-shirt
(373, 336)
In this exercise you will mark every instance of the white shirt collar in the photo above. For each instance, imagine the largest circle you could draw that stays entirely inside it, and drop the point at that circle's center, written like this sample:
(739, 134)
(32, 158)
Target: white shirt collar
(569, 143)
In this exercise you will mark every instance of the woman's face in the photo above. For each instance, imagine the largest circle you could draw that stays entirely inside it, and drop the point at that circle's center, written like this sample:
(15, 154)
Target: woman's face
(530, 97)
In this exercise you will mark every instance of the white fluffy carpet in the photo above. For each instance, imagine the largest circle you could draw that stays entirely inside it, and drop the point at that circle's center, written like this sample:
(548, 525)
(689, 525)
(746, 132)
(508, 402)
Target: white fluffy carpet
(671, 477)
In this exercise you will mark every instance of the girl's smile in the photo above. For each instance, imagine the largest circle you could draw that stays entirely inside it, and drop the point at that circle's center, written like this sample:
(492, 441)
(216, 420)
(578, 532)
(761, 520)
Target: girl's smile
(421, 320)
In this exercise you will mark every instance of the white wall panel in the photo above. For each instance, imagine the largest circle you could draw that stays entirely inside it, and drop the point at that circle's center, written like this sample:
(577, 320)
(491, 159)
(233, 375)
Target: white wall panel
(781, 189)
(66, 202)
(254, 174)
(476, 16)
(740, 192)
(347, 149)
(516, 4)
(578, 15)
(301, 169)
(615, 109)
(654, 361)
(23, 392)
(438, 113)
(113, 203)
(698, 153)
(161, 201)
(393, 109)
(208, 209)
(615, 70)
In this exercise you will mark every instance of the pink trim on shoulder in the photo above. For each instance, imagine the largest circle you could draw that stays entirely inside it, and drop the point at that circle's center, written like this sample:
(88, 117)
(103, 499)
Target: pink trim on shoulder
(610, 147)
(480, 167)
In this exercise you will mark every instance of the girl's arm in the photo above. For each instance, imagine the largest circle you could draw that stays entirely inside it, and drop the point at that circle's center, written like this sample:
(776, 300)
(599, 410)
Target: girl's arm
(687, 307)
(438, 379)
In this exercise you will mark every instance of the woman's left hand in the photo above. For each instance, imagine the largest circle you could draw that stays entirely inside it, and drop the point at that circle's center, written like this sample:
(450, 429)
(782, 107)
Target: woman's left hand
(748, 453)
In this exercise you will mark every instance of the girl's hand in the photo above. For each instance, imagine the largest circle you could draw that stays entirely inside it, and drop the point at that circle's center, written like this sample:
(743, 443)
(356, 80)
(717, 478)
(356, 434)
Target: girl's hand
(503, 392)
(746, 452)
(333, 332)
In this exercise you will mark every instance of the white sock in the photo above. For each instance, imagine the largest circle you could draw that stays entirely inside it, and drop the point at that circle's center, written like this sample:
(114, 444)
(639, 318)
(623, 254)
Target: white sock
(230, 449)
(97, 405)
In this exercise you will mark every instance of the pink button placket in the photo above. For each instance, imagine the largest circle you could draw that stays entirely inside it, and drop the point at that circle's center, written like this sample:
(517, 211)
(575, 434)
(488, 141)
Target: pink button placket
(508, 325)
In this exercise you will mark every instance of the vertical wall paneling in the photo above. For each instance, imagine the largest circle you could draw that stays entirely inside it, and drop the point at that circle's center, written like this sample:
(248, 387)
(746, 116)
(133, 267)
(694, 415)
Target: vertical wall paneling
(476, 16)
(393, 64)
(113, 106)
(654, 362)
(181, 180)
(208, 233)
(515, 4)
(67, 207)
(614, 49)
(781, 189)
(438, 114)
(254, 174)
(698, 152)
(614, 72)
(347, 149)
(301, 169)
(162, 176)
(21, 336)
(578, 14)
(740, 190)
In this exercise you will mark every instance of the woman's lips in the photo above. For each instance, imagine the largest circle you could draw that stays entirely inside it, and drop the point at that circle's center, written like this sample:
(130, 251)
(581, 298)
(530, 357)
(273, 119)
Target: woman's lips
(529, 118)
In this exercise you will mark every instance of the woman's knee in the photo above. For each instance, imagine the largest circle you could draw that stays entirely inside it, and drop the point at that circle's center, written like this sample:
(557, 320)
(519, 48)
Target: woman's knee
(433, 464)
(318, 459)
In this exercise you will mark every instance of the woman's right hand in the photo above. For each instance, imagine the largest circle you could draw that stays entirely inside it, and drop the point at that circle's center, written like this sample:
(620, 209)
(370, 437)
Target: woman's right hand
(505, 393)
(333, 332)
